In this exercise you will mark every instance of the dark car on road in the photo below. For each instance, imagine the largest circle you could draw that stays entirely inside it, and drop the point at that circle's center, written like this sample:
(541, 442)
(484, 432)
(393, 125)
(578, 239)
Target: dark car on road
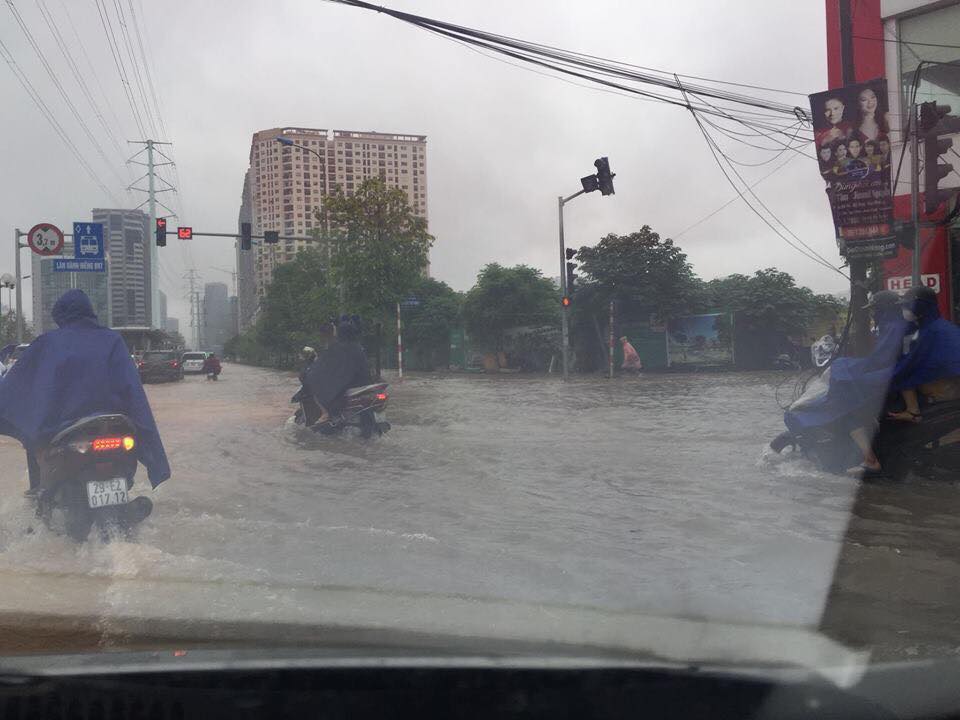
(160, 366)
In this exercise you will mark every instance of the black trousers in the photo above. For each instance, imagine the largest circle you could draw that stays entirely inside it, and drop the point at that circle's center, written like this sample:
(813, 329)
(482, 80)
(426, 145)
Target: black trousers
(33, 468)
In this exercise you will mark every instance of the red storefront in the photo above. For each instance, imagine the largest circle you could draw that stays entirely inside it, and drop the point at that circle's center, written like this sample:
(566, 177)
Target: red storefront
(888, 39)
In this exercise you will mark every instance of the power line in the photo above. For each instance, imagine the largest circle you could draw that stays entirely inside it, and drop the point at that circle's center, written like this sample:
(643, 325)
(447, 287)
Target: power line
(570, 63)
(714, 150)
(90, 66)
(731, 200)
(46, 112)
(63, 93)
(907, 42)
(118, 62)
(62, 44)
(121, 21)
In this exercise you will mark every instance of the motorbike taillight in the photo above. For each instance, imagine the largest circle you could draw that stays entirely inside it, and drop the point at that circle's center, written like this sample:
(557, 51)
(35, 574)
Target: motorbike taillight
(381, 397)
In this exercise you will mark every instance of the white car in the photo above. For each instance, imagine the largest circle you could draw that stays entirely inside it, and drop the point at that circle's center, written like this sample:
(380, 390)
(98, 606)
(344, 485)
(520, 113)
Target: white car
(192, 362)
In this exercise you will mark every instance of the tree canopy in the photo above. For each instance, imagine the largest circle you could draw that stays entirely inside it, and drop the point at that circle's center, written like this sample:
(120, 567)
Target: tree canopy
(509, 297)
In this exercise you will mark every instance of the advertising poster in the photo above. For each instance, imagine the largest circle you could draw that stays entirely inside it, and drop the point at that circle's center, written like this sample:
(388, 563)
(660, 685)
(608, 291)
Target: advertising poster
(700, 340)
(852, 138)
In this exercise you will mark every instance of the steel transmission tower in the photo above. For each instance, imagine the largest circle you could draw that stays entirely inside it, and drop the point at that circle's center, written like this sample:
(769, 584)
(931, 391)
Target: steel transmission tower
(152, 190)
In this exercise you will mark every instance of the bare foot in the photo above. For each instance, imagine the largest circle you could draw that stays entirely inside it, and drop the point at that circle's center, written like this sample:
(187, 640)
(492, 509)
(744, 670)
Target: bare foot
(905, 416)
(865, 469)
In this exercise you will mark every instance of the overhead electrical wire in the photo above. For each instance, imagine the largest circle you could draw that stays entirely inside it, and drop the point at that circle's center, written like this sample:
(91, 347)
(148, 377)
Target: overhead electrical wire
(74, 68)
(568, 62)
(118, 62)
(98, 148)
(50, 118)
(124, 33)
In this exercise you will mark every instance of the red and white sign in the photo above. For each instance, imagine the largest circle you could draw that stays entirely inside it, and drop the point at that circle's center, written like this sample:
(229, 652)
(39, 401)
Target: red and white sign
(902, 284)
(45, 239)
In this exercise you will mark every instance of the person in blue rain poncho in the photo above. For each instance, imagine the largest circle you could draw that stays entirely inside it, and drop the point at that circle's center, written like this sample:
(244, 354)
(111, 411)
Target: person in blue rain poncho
(78, 370)
(931, 368)
(858, 387)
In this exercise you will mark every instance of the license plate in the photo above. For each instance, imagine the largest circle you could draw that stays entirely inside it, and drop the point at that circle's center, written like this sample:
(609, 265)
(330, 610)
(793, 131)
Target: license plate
(104, 493)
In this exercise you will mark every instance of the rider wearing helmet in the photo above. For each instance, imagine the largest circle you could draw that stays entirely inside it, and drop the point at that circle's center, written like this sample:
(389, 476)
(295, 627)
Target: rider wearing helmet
(931, 368)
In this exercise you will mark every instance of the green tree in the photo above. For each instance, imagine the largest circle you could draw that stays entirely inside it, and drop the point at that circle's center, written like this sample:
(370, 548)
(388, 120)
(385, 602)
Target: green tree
(378, 246)
(427, 326)
(509, 297)
(642, 272)
(769, 308)
(299, 302)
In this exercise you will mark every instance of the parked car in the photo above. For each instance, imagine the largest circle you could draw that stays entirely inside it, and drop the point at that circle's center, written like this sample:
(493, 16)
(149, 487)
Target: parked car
(193, 362)
(160, 365)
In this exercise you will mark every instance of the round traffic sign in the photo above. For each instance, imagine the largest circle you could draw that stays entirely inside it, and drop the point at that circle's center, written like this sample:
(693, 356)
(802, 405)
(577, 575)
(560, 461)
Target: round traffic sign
(45, 239)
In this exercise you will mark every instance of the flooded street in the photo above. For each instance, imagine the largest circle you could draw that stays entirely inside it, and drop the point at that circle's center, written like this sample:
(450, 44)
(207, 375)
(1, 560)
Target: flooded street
(653, 494)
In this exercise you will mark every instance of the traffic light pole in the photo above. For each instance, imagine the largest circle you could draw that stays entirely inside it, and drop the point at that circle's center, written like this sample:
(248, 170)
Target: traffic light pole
(565, 317)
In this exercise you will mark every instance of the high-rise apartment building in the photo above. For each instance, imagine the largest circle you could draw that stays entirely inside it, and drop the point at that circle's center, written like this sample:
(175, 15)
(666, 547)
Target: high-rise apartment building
(216, 317)
(48, 286)
(247, 301)
(284, 187)
(127, 237)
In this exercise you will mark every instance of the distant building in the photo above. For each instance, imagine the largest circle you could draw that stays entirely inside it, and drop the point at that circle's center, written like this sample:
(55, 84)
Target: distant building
(216, 329)
(284, 185)
(172, 325)
(48, 286)
(127, 238)
(162, 297)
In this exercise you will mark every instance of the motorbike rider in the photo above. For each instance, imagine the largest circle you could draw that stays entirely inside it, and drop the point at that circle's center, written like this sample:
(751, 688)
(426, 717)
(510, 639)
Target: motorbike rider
(212, 366)
(78, 370)
(858, 387)
(308, 356)
(343, 365)
(931, 369)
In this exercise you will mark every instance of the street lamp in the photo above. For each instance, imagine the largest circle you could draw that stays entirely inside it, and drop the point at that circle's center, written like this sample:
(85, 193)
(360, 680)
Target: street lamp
(7, 281)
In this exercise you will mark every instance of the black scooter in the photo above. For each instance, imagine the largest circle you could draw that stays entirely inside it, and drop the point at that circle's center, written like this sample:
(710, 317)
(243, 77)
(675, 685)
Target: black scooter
(86, 475)
(362, 407)
(930, 448)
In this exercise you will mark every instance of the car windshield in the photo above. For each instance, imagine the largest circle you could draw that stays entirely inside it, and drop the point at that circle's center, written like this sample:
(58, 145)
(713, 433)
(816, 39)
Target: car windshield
(562, 327)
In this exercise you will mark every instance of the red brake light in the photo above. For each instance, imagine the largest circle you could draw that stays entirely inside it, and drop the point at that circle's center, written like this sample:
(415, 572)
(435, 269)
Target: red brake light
(174, 364)
(106, 444)
(381, 397)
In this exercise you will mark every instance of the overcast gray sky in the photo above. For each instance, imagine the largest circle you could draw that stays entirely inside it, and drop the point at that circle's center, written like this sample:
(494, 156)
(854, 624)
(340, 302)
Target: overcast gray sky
(502, 142)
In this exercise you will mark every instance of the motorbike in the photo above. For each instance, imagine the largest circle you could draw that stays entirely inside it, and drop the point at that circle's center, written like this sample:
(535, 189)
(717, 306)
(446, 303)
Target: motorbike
(930, 448)
(86, 478)
(361, 407)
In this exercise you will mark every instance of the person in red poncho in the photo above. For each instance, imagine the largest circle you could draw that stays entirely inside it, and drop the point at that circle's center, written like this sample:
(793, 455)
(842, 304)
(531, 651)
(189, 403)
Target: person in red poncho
(631, 359)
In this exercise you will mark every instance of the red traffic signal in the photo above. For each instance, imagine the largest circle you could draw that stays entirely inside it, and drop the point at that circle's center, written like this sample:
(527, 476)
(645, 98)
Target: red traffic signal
(185, 233)
(161, 232)
(565, 301)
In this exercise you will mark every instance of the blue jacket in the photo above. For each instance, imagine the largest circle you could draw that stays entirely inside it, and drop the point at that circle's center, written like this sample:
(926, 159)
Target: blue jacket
(935, 355)
(858, 386)
(79, 370)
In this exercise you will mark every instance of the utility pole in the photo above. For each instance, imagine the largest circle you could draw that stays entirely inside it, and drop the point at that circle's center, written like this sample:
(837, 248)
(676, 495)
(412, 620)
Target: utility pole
(915, 191)
(193, 295)
(859, 321)
(17, 234)
(151, 176)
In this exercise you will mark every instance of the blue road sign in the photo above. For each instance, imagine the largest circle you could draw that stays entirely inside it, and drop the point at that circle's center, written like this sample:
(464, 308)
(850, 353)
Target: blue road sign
(73, 265)
(410, 301)
(88, 241)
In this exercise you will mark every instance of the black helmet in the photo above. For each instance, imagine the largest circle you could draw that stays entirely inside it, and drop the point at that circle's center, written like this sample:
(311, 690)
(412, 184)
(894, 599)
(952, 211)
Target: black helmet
(883, 300)
(919, 295)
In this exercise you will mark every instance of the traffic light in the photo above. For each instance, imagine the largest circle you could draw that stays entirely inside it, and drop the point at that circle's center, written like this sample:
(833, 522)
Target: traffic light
(935, 121)
(571, 275)
(271, 237)
(185, 233)
(590, 183)
(565, 301)
(161, 232)
(604, 176)
(245, 240)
